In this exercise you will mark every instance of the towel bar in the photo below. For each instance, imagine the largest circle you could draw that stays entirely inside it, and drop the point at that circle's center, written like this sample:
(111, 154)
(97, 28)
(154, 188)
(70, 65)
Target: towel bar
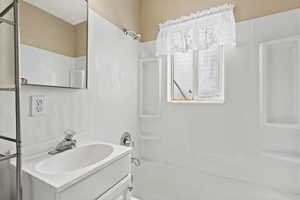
(7, 157)
(6, 21)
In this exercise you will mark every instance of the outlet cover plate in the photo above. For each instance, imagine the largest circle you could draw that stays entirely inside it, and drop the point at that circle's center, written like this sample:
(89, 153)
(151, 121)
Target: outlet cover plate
(38, 105)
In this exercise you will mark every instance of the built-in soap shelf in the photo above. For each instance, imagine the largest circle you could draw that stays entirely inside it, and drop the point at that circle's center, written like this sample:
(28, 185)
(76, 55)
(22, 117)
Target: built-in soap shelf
(150, 88)
(280, 83)
(293, 157)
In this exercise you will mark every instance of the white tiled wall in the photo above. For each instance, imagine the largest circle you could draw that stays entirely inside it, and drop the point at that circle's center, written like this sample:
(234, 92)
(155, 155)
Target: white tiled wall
(214, 152)
(106, 110)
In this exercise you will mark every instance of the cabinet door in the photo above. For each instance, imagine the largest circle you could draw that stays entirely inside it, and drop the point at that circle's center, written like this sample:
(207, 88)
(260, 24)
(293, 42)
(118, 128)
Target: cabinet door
(97, 184)
(118, 192)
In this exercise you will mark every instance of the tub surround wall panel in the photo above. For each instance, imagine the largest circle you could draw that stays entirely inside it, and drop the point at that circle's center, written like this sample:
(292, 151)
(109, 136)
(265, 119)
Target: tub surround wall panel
(211, 146)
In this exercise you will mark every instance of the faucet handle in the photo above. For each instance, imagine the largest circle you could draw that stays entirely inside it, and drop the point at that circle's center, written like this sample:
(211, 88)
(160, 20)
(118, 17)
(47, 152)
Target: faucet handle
(69, 134)
(127, 140)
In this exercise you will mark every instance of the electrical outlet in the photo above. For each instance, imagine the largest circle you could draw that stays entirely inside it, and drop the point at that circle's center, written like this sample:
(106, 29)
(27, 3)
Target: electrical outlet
(38, 104)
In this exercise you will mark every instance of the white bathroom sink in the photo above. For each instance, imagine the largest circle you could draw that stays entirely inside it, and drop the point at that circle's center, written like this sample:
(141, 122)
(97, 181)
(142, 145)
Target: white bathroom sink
(75, 159)
(62, 170)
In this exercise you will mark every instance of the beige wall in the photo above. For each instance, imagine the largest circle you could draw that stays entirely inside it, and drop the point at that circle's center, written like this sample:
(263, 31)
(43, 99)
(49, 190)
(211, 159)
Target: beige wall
(80, 39)
(43, 30)
(123, 13)
(62, 37)
(7, 64)
(154, 12)
(142, 16)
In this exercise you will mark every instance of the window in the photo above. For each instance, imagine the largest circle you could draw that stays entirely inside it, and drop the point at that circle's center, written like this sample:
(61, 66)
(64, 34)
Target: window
(196, 76)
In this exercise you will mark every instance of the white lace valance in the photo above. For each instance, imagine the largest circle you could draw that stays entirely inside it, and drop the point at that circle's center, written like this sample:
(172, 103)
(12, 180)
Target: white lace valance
(199, 31)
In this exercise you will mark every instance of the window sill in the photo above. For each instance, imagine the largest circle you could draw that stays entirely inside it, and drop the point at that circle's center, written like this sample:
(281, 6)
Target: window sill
(217, 101)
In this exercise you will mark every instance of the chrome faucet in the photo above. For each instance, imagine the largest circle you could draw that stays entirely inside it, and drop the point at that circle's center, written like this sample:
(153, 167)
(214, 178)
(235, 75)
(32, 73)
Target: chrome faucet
(67, 143)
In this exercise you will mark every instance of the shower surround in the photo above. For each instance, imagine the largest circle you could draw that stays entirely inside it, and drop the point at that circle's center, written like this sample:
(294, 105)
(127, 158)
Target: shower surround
(213, 151)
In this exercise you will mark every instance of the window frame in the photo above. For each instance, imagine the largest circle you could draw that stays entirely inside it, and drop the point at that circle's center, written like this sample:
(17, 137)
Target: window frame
(210, 100)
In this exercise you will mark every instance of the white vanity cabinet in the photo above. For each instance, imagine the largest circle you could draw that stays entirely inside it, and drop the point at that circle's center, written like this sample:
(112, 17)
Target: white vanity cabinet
(107, 179)
(109, 182)
(96, 185)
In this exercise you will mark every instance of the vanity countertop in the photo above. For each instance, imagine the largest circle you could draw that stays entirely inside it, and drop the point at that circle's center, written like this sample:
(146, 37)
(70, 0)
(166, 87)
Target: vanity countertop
(60, 181)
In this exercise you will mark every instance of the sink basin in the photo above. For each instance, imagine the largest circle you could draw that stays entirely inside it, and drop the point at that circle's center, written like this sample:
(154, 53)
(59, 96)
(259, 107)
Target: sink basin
(75, 159)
